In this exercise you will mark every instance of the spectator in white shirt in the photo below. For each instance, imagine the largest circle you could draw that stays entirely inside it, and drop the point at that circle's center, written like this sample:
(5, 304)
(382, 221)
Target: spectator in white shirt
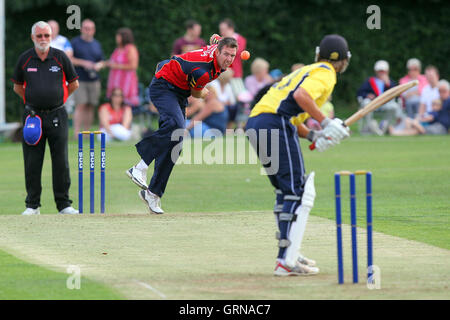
(58, 41)
(430, 92)
(62, 43)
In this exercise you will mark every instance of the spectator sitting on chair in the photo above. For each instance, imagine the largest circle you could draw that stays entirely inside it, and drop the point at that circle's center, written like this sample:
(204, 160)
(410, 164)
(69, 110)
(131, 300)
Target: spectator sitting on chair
(411, 97)
(438, 121)
(214, 113)
(123, 64)
(373, 87)
(225, 95)
(430, 92)
(264, 90)
(444, 90)
(259, 77)
(115, 117)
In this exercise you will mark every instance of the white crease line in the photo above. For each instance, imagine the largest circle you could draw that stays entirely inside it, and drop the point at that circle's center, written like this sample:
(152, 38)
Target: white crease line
(145, 285)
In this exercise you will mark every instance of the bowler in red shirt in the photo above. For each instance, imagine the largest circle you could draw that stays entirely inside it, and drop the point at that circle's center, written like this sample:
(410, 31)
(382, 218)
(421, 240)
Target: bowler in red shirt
(175, 80)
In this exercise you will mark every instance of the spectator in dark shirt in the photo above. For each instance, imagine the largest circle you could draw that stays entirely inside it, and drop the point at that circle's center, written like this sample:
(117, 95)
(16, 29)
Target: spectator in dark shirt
(191, 39)
(372, 88)
(88, 60)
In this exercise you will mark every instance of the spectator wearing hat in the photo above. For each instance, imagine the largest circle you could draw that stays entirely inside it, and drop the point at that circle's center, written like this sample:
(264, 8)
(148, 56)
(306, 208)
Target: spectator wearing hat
(39, 81)
(372, 88)
(411, 97)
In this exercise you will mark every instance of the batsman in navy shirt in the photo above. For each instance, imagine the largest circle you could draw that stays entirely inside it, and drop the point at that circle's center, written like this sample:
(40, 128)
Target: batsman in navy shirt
(44, 77)
(175, 80)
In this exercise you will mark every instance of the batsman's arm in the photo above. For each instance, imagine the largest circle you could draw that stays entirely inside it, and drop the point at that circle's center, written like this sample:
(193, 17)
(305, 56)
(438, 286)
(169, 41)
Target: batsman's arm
(308, 105)
(302, 131)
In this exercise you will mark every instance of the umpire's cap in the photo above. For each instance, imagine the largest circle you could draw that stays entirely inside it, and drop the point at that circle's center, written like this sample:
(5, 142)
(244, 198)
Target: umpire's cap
(32, 130)
(333, 47)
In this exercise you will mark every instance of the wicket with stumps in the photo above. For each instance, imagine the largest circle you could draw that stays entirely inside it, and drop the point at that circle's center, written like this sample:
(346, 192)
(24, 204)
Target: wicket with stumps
(337, 185)
(92, 169)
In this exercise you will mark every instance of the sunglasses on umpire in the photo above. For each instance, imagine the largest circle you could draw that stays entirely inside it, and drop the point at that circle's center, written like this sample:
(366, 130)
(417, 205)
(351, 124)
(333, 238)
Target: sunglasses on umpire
(39, 36)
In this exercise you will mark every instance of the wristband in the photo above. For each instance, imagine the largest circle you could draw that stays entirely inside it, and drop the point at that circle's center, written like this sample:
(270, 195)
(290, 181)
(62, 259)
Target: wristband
(310, 135)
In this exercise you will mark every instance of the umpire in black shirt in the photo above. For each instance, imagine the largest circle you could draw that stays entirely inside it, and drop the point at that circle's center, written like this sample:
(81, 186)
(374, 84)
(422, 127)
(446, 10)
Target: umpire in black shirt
(44, 77)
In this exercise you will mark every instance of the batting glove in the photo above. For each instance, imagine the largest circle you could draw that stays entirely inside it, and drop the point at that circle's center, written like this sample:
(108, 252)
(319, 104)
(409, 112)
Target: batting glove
(323, 143)
(335, 129)
(313, 135)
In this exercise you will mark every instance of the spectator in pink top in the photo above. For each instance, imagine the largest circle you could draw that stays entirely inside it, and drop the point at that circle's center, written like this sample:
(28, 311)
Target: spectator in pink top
(123, 64)
(191, 39)
(226, 29)
(259, 78)
(411, 97)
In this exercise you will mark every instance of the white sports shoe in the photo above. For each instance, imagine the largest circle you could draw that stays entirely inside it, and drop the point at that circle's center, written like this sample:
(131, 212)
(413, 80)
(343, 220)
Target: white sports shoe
(30, 212)
(299, 270)
(139, 177)
(306, 261)
(152, 200)
(69, 210)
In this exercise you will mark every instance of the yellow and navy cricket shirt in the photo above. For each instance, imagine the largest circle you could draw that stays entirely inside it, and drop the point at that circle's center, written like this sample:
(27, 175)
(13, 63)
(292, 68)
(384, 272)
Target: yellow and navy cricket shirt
(318, 79)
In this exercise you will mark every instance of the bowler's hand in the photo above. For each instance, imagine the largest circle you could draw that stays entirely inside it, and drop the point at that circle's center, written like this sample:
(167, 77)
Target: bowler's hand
(215, 38)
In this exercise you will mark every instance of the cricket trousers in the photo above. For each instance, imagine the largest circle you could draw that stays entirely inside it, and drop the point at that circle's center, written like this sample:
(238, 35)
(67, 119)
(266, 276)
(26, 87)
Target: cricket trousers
(276, 143)
(159, 146)
(55, 131)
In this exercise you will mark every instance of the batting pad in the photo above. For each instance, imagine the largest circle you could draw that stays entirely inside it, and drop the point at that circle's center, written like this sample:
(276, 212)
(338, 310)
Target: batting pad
(299, 225)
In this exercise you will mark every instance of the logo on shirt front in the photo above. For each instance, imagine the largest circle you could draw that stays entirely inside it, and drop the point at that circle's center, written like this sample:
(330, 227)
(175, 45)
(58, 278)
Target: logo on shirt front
(32, 69)
(54, 69)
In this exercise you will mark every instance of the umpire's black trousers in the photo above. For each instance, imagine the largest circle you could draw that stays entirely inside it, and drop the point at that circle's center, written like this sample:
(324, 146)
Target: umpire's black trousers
(55, 131)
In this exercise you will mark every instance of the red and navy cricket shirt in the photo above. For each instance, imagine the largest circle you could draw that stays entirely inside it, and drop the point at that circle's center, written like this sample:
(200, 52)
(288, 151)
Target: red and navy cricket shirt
(191, 70)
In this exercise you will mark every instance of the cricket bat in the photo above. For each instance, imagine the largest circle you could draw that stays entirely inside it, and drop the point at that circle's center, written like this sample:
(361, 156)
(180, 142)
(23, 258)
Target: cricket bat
(376, 103)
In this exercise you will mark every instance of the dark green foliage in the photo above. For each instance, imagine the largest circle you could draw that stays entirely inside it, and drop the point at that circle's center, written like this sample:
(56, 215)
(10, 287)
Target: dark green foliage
(283, 32)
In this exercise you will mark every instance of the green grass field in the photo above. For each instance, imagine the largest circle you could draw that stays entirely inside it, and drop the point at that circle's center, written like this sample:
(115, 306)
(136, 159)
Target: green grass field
(216, 240)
